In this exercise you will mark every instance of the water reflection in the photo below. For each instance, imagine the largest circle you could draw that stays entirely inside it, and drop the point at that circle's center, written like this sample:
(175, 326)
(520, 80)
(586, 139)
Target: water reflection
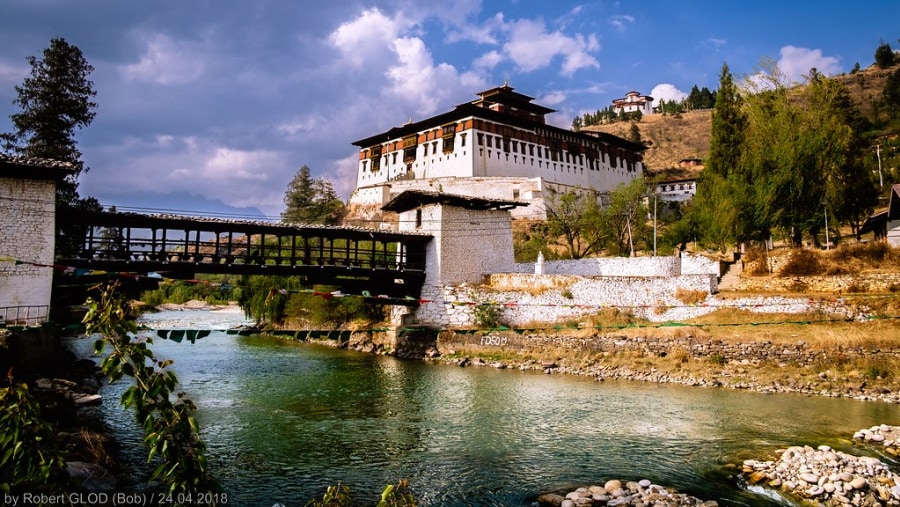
(283, 421)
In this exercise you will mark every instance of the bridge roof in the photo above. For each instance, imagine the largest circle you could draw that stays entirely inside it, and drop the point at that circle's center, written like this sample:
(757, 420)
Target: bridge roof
(212, 224)
(410, 199)
(12, 166)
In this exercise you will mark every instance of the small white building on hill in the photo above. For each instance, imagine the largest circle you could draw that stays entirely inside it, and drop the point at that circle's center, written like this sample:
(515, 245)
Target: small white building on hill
(633, 102)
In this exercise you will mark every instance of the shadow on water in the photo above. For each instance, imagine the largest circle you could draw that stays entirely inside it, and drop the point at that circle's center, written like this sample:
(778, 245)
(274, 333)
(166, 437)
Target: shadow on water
(283, 421)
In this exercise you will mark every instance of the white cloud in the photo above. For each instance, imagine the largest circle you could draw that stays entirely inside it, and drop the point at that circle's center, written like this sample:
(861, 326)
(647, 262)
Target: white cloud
(481, 34)
(488, 60)
(667, 92)
(12, 75)
(416, 78)
(621, 23)
(531, 47)
(796, 62)
(345, 170)
(370, 34)
(167, 62)
(553, 98)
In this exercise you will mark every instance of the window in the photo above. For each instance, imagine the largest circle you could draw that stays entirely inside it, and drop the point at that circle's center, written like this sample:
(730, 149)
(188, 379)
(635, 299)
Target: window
(418, 219)
(410, 143)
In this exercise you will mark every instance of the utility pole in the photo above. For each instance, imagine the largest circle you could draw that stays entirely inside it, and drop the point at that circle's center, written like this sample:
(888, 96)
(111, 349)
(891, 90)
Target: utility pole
(880, 177)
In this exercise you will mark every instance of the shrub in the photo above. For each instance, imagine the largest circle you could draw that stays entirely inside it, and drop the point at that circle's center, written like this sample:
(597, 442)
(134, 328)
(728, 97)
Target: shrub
(803, 262)
(689, 296)
(28, 458)
(487, 315)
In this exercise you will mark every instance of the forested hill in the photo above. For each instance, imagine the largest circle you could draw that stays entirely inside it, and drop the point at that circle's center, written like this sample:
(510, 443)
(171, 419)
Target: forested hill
(673, 138)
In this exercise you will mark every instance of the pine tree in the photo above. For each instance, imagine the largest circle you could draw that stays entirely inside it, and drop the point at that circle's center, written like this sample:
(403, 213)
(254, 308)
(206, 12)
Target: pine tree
(716, 210)
(56, 102)
(311, 200)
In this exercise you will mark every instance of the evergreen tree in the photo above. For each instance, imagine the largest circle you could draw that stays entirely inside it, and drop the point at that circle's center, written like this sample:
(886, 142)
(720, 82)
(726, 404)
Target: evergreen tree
(716, 211)
(634, 134)
(56, 102)
(311, 200)
(884, 56)
(891, 93)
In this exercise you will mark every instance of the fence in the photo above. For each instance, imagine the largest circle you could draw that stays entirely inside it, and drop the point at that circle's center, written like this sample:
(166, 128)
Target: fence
(24, 315)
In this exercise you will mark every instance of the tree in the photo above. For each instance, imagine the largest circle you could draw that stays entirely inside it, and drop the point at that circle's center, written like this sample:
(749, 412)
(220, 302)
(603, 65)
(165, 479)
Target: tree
(576, 218)
(55, 103)
(891, 93)
(311, 200)
(884, 56)
(634, 134)
(798, 156)
(624, 217)
(715, 212)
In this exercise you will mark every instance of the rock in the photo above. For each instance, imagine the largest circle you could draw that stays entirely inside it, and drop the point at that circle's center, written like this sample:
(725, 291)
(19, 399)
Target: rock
(815, 491)
(809, 478)
(644, 483)
(858, 483)
(612, 485)
(551, 499)
(567, 503)
(90, 399)
(91, 477)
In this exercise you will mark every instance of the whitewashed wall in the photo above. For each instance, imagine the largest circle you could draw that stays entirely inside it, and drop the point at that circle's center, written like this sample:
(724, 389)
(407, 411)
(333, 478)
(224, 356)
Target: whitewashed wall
(686, 264)
(526, 300)
(27, 233)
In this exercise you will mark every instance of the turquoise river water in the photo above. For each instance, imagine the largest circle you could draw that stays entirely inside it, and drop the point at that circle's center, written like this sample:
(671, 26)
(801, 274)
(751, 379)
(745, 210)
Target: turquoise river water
(284, 420)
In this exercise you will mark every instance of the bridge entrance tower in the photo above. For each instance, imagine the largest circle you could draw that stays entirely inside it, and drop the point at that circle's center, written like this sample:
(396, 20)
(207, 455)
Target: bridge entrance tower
(472, 237)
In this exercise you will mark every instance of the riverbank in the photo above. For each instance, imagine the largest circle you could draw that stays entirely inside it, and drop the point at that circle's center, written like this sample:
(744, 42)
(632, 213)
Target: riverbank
(802, 354)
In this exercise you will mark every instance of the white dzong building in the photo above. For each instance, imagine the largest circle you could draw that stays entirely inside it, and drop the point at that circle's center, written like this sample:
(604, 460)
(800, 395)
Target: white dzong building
(633, 102)
(498, 146)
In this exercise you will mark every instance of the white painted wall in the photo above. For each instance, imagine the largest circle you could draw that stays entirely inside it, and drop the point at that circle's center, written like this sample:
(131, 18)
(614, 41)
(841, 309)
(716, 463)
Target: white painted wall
(474, 158)
(893, 233)
(27, 229)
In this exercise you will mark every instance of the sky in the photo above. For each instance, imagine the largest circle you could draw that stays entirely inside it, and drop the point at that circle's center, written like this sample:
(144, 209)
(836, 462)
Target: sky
(226, 99)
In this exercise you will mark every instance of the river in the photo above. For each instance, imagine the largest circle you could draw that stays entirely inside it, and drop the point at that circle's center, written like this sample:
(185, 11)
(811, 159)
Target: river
(284, 420)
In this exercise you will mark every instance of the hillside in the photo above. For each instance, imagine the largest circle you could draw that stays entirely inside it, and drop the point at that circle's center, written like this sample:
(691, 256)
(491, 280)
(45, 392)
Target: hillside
(671, 138)
(674, 138)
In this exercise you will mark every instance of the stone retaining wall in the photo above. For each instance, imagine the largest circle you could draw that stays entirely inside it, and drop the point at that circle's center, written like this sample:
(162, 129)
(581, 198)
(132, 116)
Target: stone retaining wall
(660, 266)
(838, 284)
(521, 300)
(761, 351)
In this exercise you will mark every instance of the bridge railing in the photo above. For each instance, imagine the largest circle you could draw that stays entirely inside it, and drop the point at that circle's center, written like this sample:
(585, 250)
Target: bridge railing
(24, 315)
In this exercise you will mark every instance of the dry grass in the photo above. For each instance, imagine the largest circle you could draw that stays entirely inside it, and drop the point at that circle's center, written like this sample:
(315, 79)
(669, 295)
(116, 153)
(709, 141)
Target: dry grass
(95, 447)
(690, 297)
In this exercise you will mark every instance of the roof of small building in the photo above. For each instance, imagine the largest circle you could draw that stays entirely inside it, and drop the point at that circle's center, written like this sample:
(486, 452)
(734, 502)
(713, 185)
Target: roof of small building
(879, 219)
(33, 168)
(411, 199)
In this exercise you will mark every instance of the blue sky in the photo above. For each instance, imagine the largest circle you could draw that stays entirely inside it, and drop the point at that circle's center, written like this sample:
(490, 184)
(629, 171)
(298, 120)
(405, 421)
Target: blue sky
(226, 99)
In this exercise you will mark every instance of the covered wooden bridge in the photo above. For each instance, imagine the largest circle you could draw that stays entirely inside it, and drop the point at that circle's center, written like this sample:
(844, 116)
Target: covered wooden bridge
(350, 258)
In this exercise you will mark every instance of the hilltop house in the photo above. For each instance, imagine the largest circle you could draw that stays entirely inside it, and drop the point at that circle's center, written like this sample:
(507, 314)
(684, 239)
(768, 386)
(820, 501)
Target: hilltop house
(633, 102)
(498, 146)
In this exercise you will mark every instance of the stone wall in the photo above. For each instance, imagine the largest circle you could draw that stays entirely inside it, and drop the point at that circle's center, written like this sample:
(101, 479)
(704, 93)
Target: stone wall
(523, 300)
(764, 351)
(838, 284)
(627, 266)
(27, 226)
